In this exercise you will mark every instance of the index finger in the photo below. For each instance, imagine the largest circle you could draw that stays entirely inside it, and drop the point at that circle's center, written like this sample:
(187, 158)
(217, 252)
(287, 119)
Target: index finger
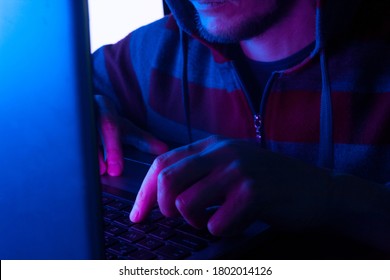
(147, 195)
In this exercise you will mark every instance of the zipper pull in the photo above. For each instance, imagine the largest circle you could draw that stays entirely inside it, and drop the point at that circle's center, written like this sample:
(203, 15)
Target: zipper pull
(258, 121)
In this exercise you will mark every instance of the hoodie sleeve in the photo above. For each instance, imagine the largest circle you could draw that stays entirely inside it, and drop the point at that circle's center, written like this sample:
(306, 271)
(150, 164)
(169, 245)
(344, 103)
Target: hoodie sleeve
(115, 78)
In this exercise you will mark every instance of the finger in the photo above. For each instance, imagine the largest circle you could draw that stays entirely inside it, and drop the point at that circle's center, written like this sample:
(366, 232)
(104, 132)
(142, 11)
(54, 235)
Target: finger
(147, 195)
(177, 170)
(183, 174)
(102, 163)
(110, 133)
(112, 145)
(175, 179)
(142, 140)
(235, 213)
(209, 192)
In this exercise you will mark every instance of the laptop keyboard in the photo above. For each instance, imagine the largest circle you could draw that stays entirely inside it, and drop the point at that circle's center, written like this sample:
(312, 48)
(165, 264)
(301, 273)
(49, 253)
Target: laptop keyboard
(158, 237)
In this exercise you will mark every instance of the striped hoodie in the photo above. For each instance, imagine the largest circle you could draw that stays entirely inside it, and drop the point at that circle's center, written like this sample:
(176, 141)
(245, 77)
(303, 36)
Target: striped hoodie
(332, 110)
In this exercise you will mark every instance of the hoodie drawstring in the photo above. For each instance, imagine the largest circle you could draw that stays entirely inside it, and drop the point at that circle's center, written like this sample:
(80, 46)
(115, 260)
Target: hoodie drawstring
(184, 84)
(326, 148)
(326, 153)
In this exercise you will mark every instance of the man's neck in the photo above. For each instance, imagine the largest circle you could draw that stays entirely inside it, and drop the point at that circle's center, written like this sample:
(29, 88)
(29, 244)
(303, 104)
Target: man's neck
(291, 34)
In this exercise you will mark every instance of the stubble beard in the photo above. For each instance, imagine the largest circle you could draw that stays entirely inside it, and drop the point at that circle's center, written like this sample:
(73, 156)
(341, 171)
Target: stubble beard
(248, 27)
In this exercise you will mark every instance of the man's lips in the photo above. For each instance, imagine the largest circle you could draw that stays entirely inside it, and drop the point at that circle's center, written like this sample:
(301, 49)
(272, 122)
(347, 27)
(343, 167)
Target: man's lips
(209, 2)
(208, 5)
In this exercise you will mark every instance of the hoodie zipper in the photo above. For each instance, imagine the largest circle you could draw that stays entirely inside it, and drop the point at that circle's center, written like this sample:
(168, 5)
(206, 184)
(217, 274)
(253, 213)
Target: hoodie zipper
(258, 116)
(258, 121)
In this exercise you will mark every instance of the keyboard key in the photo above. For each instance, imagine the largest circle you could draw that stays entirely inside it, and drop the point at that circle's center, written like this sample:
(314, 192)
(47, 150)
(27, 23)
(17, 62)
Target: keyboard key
(171, 222)
(119, 205)
(106, 200)
(144, 227)
(173, 252)
(127, 209)
(190, 242)
(150, 243)
(162, 233)
(122, 249)
(123, 221)
(109, 241)
(204, 234)
(110, 214)
(155, 216)
(110, 256)
(132, 236)
(114, 230)
(142, 255)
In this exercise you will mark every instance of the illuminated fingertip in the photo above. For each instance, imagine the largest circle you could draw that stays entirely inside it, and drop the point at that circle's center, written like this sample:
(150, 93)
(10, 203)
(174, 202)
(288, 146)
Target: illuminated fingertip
(134, 215)
(114, 169)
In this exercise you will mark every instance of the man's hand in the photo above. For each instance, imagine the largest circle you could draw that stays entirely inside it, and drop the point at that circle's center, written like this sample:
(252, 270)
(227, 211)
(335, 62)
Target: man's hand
(114, 130)
(244, 181)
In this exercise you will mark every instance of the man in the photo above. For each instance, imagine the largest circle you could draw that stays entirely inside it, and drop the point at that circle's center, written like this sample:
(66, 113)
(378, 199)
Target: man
(298, 94)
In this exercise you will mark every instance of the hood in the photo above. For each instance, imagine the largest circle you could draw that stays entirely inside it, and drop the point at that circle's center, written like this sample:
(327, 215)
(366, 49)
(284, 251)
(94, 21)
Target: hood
(185, 15)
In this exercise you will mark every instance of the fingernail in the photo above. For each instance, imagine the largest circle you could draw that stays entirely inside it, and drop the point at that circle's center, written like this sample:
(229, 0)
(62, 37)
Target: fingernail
(114, 168)
(134, 215)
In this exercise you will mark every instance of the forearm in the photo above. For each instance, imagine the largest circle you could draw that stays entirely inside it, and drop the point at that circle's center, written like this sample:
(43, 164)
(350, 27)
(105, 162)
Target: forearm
(361, 210)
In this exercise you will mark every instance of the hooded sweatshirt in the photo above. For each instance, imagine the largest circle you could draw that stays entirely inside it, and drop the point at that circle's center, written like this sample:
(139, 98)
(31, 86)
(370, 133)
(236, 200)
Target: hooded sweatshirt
(331, 110)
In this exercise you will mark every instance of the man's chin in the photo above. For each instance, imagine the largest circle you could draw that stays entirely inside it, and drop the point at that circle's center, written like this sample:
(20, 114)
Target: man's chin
(218, 32)
(236, 29)
(226, 34)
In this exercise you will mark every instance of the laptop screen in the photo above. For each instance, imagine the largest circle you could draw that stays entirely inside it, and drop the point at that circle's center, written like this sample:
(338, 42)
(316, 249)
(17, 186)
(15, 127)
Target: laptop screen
(49, 180)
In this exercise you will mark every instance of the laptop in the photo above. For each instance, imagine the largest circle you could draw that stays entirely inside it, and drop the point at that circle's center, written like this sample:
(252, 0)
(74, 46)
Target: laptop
(51, 202)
